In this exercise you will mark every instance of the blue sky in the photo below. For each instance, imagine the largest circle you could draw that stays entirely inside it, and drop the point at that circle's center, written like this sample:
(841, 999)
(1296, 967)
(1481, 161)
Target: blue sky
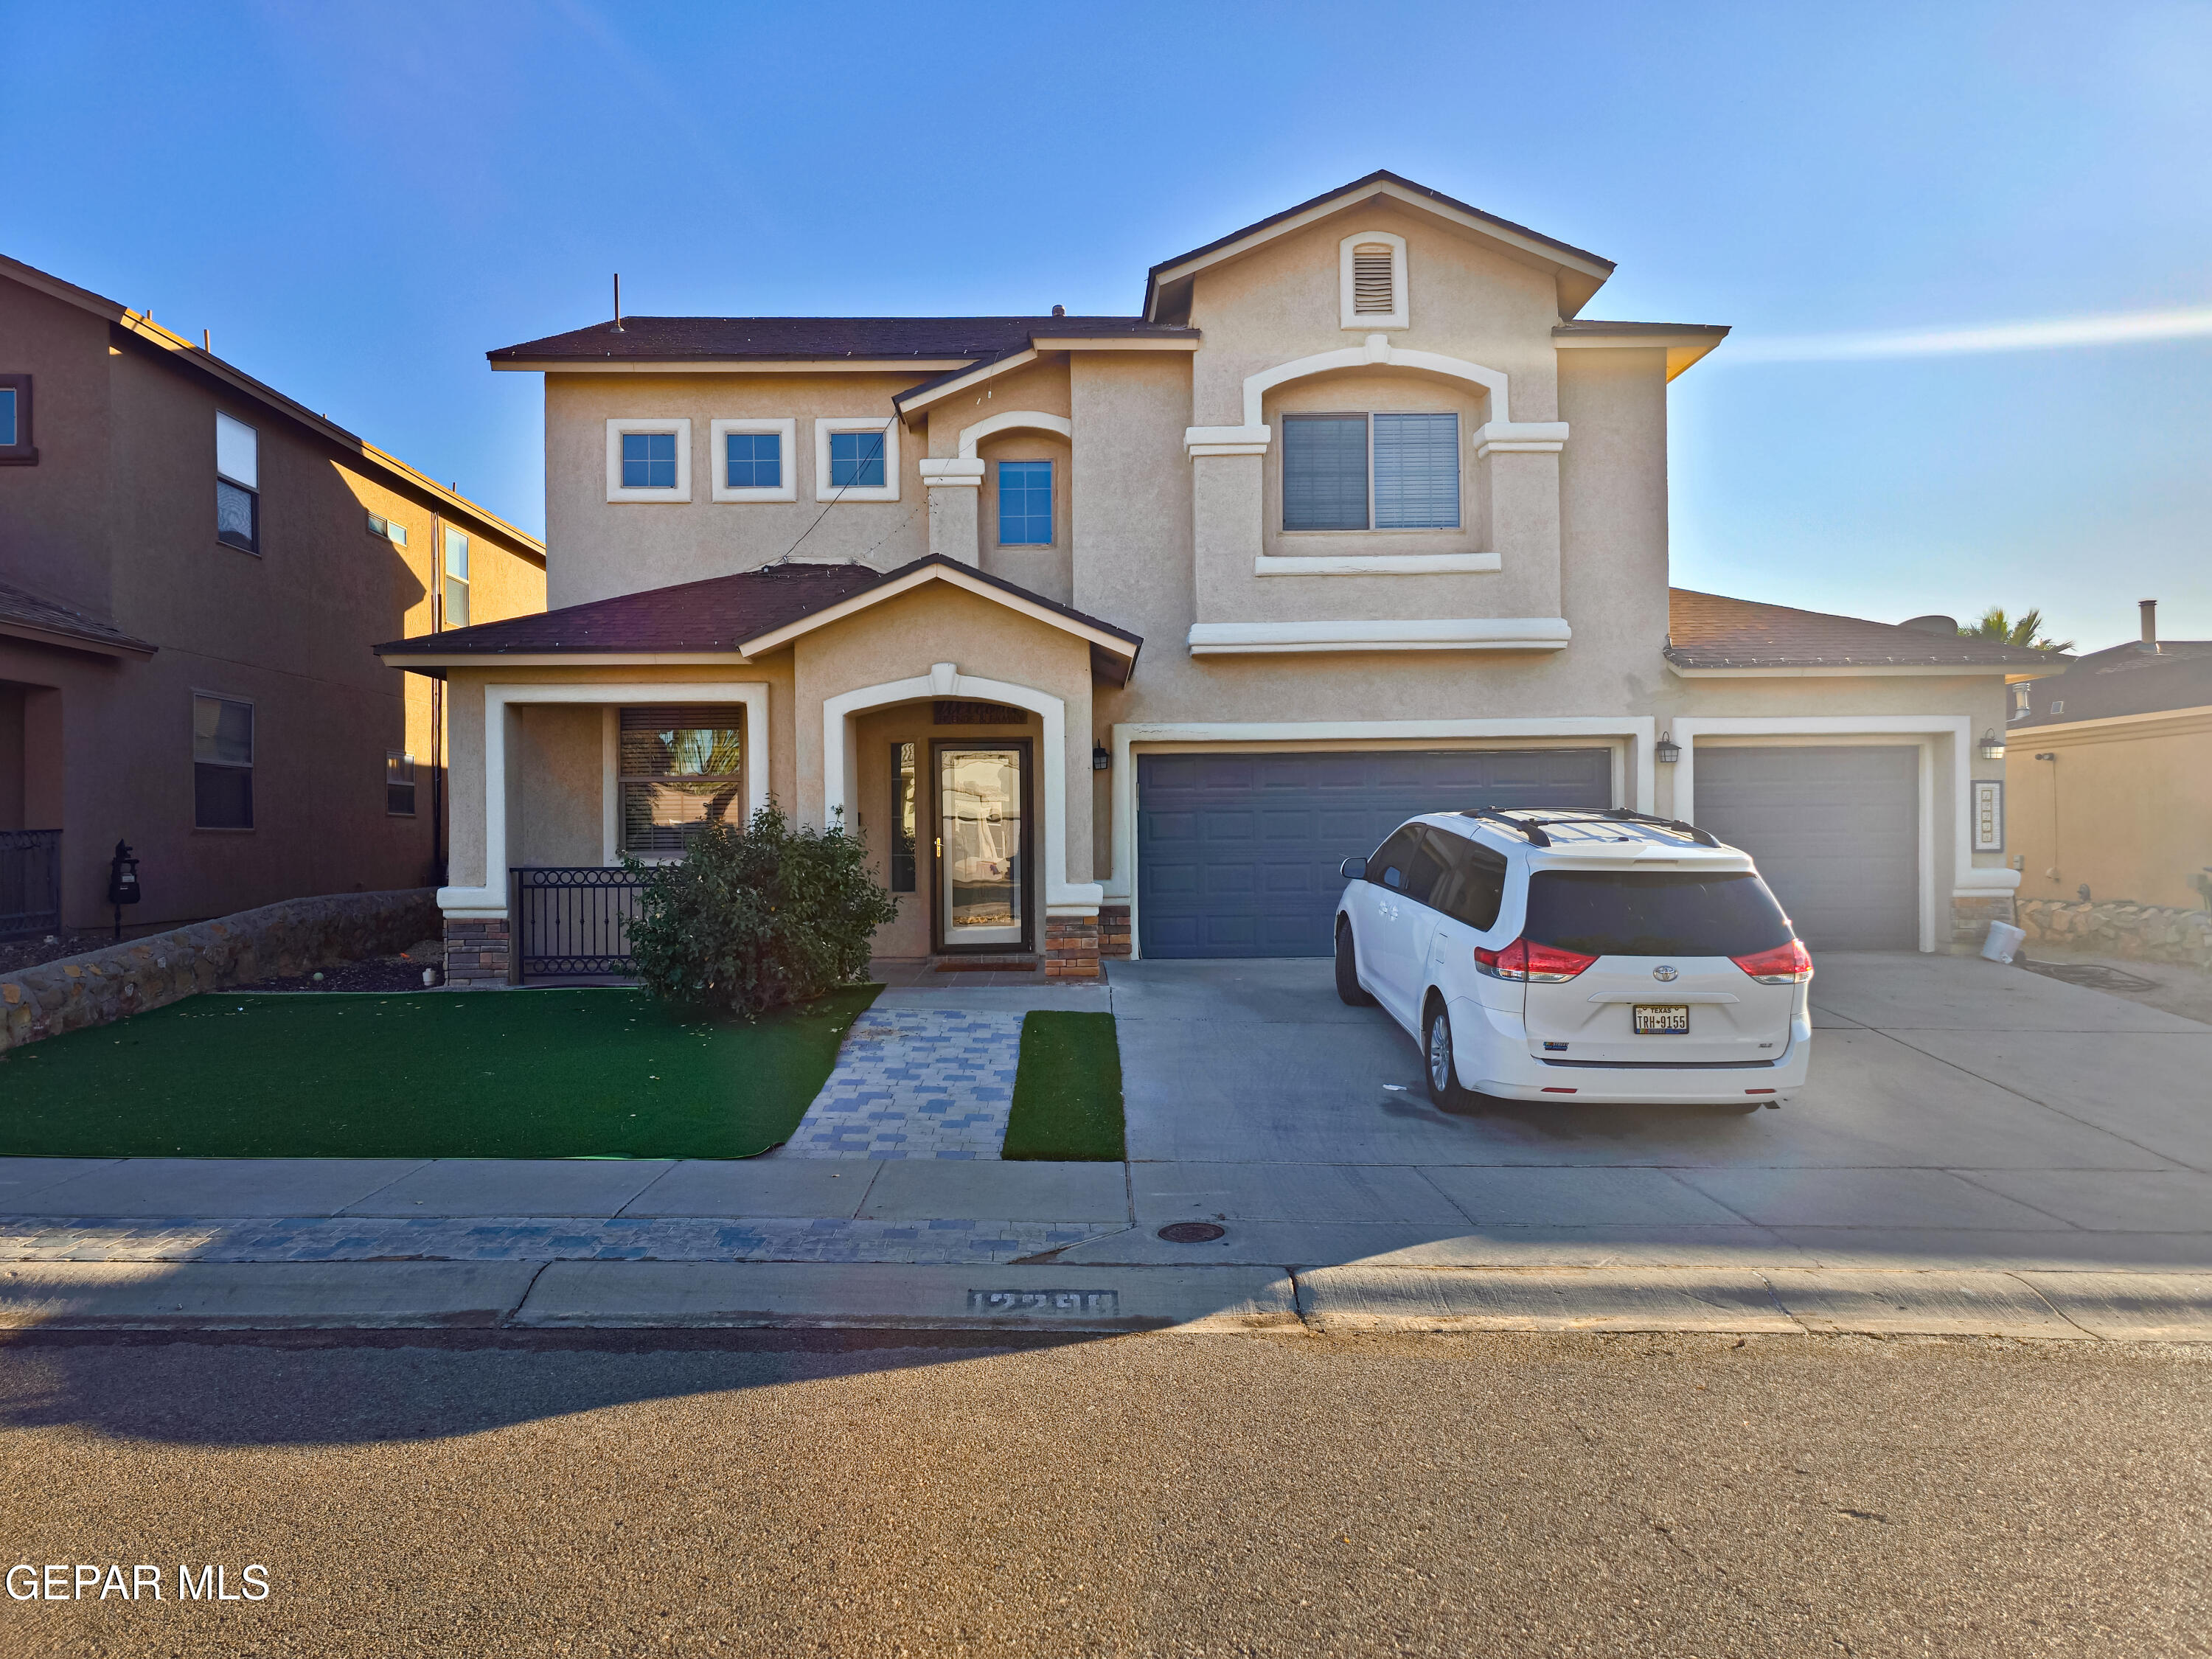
(360, 200)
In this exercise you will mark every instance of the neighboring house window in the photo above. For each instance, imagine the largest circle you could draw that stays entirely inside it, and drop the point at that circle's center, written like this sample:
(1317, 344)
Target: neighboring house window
(456, 588)
(753, 460)
(903, 817)
(2058, 707)
(237, 483)
(1370, 471)
(1024, 503)
(856, 459)
(2020, 704)
(398, 784)
(222, 763)
(681, 767)
(648, 460)
(16, 449)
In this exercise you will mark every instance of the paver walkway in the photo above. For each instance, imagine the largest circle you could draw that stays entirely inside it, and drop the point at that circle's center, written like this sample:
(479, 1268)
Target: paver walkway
(915, 1083)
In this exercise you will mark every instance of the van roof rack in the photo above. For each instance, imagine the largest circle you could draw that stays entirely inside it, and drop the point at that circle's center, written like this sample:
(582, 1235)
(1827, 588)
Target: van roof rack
(1534, 829)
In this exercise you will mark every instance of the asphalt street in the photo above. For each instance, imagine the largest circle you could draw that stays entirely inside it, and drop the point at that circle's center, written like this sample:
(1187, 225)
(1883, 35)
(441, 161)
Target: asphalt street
(795, 1494)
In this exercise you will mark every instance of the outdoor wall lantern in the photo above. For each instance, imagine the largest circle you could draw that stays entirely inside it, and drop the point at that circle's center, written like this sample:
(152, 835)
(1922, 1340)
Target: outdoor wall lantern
(1101, 761)
(1992, 747)
(122, 882)
(1666, 751)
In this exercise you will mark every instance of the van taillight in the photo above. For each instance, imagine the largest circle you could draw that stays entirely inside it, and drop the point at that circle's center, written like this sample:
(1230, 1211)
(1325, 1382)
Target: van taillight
(1546, 964)
(1785, 964)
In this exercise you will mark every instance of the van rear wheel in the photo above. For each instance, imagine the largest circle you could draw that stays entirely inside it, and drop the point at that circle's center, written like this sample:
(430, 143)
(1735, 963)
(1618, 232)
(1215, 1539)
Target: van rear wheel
(1347, 971)
(1439, 1064)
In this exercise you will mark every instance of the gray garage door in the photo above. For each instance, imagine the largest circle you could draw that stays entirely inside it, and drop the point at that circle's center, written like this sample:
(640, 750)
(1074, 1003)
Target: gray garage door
(1836, 833)
(1236, 854)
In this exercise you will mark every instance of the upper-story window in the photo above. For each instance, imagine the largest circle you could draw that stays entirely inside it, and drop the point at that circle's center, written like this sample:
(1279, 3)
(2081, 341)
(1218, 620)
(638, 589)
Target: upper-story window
(1024, 503)
(15, 448)
(754, 460)
(455, 587)
(237, 483)
(856, 459)
(648, 460)
(1371, 281)
(1383, 472)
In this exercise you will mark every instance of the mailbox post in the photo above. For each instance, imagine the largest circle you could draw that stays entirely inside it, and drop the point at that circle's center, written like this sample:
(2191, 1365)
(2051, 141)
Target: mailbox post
(122, 882)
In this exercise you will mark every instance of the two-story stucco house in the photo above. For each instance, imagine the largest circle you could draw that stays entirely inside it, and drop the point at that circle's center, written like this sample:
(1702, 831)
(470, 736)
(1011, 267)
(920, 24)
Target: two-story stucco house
(1119, 632)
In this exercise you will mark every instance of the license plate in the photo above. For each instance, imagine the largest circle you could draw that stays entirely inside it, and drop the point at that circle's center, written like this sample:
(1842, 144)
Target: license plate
(1663, 1019)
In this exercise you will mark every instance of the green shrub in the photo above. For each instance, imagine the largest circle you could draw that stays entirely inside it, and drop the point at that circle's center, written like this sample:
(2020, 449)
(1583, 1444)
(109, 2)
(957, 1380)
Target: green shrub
(756, 918)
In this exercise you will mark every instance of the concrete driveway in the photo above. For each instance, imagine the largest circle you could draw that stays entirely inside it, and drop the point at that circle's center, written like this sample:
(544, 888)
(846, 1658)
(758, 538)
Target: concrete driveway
(1959, 1113)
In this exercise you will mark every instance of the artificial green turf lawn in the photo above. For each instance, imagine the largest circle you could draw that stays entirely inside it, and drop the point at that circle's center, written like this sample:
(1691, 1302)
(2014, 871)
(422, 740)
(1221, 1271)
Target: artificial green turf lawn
(1067, 1090)
(529, 1073)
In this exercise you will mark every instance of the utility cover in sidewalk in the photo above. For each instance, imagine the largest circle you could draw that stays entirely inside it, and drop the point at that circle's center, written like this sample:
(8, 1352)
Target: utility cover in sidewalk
(1192, 1232)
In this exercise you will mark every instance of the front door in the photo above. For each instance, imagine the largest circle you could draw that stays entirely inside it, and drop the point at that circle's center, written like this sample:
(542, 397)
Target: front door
(981, 845)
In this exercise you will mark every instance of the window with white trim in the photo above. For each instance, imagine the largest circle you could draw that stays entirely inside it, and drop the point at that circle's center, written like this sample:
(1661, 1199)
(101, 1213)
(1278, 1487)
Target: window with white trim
(222, 763)
(1372, 472)
(237, 484)
(754, 460)
(648, 459)
(856, 459)
(679, 767)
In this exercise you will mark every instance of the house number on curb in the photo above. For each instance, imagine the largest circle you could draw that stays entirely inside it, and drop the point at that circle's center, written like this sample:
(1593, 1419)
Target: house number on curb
(1046, 1302)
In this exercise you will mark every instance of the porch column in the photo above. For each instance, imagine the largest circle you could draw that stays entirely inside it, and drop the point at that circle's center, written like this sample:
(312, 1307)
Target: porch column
(955, 490)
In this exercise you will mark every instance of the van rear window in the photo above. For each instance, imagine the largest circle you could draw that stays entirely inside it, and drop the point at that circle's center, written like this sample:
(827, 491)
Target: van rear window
(1653, 913)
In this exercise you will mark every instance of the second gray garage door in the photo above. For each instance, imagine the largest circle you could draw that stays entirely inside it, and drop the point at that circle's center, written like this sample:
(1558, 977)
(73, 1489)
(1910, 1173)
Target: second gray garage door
(1236, 854)
(1836, 832)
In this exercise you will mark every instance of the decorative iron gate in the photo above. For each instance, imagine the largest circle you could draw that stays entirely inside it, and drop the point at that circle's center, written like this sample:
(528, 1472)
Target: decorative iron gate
(30, 882)
(573, 921)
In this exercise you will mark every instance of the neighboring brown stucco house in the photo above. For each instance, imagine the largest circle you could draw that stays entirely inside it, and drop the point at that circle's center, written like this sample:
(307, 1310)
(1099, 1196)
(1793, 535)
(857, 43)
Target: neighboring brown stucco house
(2109, 769)
(1119, 632)
(192, 570)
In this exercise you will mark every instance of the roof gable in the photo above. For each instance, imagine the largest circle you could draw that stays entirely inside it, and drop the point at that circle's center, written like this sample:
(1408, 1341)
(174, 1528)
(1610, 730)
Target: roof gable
(1578, 272)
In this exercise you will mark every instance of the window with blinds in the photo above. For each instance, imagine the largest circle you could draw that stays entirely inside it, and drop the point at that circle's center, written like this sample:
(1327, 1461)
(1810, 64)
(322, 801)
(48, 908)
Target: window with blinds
(679, 768)
(1372, 290)
(1370, 471)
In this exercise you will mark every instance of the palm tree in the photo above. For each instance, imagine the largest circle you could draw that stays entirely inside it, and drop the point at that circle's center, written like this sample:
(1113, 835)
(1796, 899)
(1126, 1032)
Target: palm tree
(1994, 625)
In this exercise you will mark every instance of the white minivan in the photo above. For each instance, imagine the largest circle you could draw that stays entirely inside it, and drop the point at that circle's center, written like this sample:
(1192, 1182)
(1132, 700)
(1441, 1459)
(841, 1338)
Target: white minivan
(1593, 956)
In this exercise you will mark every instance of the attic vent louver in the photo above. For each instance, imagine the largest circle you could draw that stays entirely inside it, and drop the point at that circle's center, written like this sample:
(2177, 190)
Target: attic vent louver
(1371, 293)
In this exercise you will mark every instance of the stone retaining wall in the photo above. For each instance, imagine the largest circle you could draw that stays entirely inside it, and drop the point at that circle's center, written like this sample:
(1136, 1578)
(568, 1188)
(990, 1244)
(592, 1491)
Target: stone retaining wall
(299, 936)
(2114, 928)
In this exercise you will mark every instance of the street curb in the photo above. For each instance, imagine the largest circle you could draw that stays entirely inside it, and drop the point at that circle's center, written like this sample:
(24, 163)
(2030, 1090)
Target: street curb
(1360, 1297)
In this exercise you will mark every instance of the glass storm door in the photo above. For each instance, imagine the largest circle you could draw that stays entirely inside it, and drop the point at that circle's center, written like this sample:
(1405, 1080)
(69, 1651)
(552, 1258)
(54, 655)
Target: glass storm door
(980, 864)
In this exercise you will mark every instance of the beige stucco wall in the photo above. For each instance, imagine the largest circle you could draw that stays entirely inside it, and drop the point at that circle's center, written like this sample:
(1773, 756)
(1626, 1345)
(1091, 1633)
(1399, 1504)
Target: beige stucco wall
(2126, 809)
(602, 548)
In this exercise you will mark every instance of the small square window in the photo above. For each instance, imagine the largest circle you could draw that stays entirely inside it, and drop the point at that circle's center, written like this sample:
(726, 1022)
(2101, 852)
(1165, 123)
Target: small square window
(754, 460)
(648, 460)
(1024, 503)
(398, 784)
(15, 448)
(856, 461)
(222, 763)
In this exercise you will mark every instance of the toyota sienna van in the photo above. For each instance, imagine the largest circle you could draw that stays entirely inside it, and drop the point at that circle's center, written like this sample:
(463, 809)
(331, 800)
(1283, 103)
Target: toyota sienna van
(1575, 955)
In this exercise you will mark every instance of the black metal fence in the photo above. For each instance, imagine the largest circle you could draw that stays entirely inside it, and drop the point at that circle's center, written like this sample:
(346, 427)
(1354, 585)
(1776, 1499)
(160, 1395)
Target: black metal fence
(30, 882)
(573, 921)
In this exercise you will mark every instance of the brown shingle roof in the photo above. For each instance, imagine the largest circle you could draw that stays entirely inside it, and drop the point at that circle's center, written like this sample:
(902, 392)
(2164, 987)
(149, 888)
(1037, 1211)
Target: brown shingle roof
(24, 614)
(677, 339)
(721, 614)
(1707, 630)
(2122, 680)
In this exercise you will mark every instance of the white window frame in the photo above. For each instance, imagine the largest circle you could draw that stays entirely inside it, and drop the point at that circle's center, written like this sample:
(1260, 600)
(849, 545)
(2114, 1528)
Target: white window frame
(887, 426)
(1402, 310)
(252, 486)
(616, 428)
(719, 469)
